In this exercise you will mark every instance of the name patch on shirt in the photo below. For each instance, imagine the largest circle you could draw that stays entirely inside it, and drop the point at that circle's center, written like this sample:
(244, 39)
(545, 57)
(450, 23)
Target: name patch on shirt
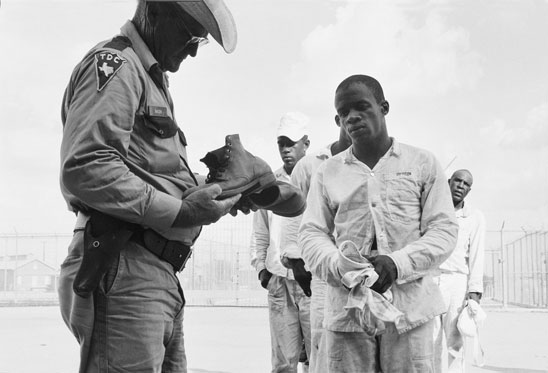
(157, 111)
(406, 173)
(107, 64)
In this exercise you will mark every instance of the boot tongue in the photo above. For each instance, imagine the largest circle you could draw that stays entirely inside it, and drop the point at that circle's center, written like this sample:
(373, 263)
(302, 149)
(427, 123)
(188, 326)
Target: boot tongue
(212, 162)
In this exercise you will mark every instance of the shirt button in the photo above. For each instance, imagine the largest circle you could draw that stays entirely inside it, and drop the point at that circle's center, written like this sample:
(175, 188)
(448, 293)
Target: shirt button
(372, 173)
(373, 204)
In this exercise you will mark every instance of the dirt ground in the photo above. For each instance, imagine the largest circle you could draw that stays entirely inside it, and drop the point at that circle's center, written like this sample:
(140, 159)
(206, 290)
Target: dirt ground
(236, 340)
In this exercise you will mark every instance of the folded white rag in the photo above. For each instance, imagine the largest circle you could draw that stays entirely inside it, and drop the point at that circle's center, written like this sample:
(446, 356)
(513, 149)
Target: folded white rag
(469, 322)
(370, 308)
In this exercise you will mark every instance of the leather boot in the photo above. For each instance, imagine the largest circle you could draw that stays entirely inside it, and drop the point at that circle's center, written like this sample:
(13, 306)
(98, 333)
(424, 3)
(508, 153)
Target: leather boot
(281, 198)
(236, 170)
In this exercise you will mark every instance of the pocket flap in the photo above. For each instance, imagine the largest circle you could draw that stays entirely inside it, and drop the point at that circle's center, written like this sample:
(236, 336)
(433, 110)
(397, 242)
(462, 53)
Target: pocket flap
(163, 127)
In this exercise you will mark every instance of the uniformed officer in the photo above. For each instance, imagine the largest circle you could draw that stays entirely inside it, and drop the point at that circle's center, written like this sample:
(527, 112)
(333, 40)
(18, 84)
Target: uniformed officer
(123, 162)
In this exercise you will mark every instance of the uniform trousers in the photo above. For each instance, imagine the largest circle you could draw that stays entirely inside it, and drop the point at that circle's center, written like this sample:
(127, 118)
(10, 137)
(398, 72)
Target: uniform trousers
(134, 321)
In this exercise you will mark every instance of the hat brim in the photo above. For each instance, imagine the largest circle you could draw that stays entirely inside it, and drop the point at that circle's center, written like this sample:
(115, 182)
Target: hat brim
(215, 17)
(295, 137)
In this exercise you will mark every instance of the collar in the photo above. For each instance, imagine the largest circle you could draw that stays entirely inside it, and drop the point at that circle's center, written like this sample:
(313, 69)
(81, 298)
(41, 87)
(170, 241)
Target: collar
(465, 211)
(325, 152)
(394, 150)
(139, 46)
(281, 173)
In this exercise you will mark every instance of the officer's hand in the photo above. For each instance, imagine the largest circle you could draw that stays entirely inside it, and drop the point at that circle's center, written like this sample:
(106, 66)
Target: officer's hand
(474, 296)
(244, 205)
(302, 276)
(264, 277)
(387, 271)
(201, 208)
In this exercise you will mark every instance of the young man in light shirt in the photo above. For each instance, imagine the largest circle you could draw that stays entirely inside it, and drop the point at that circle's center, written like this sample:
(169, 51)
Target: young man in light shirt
(387, 198)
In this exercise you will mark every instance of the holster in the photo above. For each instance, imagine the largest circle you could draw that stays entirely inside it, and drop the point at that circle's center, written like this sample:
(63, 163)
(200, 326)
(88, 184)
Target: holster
(104, 238)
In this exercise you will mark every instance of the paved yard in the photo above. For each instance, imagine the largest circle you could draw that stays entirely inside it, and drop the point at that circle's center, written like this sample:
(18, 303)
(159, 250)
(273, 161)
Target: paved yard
(236, 340)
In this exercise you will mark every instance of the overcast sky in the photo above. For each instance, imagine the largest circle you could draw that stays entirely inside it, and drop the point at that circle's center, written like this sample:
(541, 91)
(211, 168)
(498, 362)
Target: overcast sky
(467, 80)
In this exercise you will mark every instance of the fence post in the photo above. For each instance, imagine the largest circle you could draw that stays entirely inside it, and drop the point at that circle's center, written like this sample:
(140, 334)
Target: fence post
(544, 269)
(504, 271)
(6, 267)
(16, 265)
(238, 276)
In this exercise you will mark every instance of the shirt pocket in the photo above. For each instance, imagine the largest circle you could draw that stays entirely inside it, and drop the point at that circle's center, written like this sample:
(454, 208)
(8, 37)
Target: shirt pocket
(403, 198)
(353, 217)
(157, 142)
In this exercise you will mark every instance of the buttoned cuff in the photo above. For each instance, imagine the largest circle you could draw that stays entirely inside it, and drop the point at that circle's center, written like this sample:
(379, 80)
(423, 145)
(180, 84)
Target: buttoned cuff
(475, 288)
(260, 267)
(292, 252)
(406, 272)
(403, 264)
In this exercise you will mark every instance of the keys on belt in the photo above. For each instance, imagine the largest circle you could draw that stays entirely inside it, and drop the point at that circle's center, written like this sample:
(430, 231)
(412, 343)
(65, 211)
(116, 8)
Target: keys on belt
(174, 252)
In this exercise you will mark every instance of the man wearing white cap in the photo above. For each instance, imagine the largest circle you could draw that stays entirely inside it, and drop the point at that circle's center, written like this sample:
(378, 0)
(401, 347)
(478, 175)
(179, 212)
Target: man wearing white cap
(301, 177)
(124, 172)
(288, 289)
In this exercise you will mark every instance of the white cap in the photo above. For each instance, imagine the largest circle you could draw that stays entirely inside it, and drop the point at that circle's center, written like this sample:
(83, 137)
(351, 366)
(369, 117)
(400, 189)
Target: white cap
(294, 126)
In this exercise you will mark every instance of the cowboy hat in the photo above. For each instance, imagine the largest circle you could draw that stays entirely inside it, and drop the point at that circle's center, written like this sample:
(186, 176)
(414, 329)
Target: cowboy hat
(215, 17)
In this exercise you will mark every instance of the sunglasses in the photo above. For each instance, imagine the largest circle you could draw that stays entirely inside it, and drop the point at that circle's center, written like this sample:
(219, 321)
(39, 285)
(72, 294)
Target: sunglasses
(200, 40)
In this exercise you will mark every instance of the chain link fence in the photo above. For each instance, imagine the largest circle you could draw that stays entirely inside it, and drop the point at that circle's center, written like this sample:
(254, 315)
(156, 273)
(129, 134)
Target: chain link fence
(516, 268)
(219, 272)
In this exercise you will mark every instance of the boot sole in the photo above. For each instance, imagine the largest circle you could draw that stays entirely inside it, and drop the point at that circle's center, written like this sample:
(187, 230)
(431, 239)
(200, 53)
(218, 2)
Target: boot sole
(290, 214)
(254, 186)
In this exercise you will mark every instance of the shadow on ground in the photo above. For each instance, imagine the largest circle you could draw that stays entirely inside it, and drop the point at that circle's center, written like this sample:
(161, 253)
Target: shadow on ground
(511, 370)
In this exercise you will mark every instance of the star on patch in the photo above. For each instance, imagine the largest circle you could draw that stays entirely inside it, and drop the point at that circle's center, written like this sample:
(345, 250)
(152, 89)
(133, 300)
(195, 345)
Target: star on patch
(107, 64)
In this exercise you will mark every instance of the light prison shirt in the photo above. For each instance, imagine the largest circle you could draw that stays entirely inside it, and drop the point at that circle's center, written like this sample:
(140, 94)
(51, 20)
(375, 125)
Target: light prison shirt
(468, 257)
(404, 201)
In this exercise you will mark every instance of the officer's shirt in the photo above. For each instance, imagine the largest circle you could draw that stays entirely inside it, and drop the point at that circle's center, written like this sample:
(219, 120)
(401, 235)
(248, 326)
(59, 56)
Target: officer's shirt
(122, 151)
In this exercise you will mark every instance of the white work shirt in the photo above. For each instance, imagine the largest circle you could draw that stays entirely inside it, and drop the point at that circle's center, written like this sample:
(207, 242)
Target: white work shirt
(300, 177)
(468, 257)
(266, 237)
(405, 202)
